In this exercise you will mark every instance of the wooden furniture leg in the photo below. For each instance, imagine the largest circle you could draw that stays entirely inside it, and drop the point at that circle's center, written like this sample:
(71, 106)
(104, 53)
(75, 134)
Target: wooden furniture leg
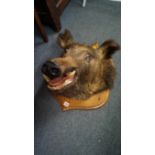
(54, 14)
(50, 11)
(40, 26)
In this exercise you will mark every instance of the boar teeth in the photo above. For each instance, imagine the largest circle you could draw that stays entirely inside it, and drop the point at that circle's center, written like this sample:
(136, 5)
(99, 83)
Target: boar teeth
(61, 86)
(67, 82)
(72, 73)
(46, 78)
(55, 88)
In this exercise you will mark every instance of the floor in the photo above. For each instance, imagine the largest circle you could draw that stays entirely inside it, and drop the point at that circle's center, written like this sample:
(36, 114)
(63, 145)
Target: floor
(78, 132)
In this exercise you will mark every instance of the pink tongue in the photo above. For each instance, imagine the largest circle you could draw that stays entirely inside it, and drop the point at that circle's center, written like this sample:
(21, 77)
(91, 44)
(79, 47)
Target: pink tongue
(59, 80)
(56, 80)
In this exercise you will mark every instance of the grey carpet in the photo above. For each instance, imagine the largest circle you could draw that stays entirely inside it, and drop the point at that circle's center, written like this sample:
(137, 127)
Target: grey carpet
(77, 132)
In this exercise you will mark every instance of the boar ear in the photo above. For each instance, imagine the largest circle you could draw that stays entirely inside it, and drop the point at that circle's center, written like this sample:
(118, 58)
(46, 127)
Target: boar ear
(65, 39)
(109, 47)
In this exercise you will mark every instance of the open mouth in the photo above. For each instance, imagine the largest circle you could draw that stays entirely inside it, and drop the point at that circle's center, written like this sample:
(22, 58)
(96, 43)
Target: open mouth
(61, 82)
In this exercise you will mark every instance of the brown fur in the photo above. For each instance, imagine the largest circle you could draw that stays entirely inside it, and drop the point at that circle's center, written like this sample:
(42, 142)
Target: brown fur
(95, 68)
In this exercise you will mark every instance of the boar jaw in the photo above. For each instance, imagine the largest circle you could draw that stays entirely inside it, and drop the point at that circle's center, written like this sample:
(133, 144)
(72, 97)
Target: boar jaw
(61, 82)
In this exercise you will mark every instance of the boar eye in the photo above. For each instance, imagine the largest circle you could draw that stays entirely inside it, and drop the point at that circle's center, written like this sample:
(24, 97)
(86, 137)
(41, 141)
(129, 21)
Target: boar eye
(88, 57)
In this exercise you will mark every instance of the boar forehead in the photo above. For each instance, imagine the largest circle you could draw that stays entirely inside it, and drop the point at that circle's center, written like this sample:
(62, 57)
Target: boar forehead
(77, 50)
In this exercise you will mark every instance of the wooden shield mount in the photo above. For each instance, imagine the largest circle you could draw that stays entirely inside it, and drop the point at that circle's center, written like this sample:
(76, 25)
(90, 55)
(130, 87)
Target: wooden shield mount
(93, 102)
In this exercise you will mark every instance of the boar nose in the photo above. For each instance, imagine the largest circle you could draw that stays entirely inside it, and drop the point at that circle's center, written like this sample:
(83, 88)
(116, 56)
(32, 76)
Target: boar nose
(51, 69)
